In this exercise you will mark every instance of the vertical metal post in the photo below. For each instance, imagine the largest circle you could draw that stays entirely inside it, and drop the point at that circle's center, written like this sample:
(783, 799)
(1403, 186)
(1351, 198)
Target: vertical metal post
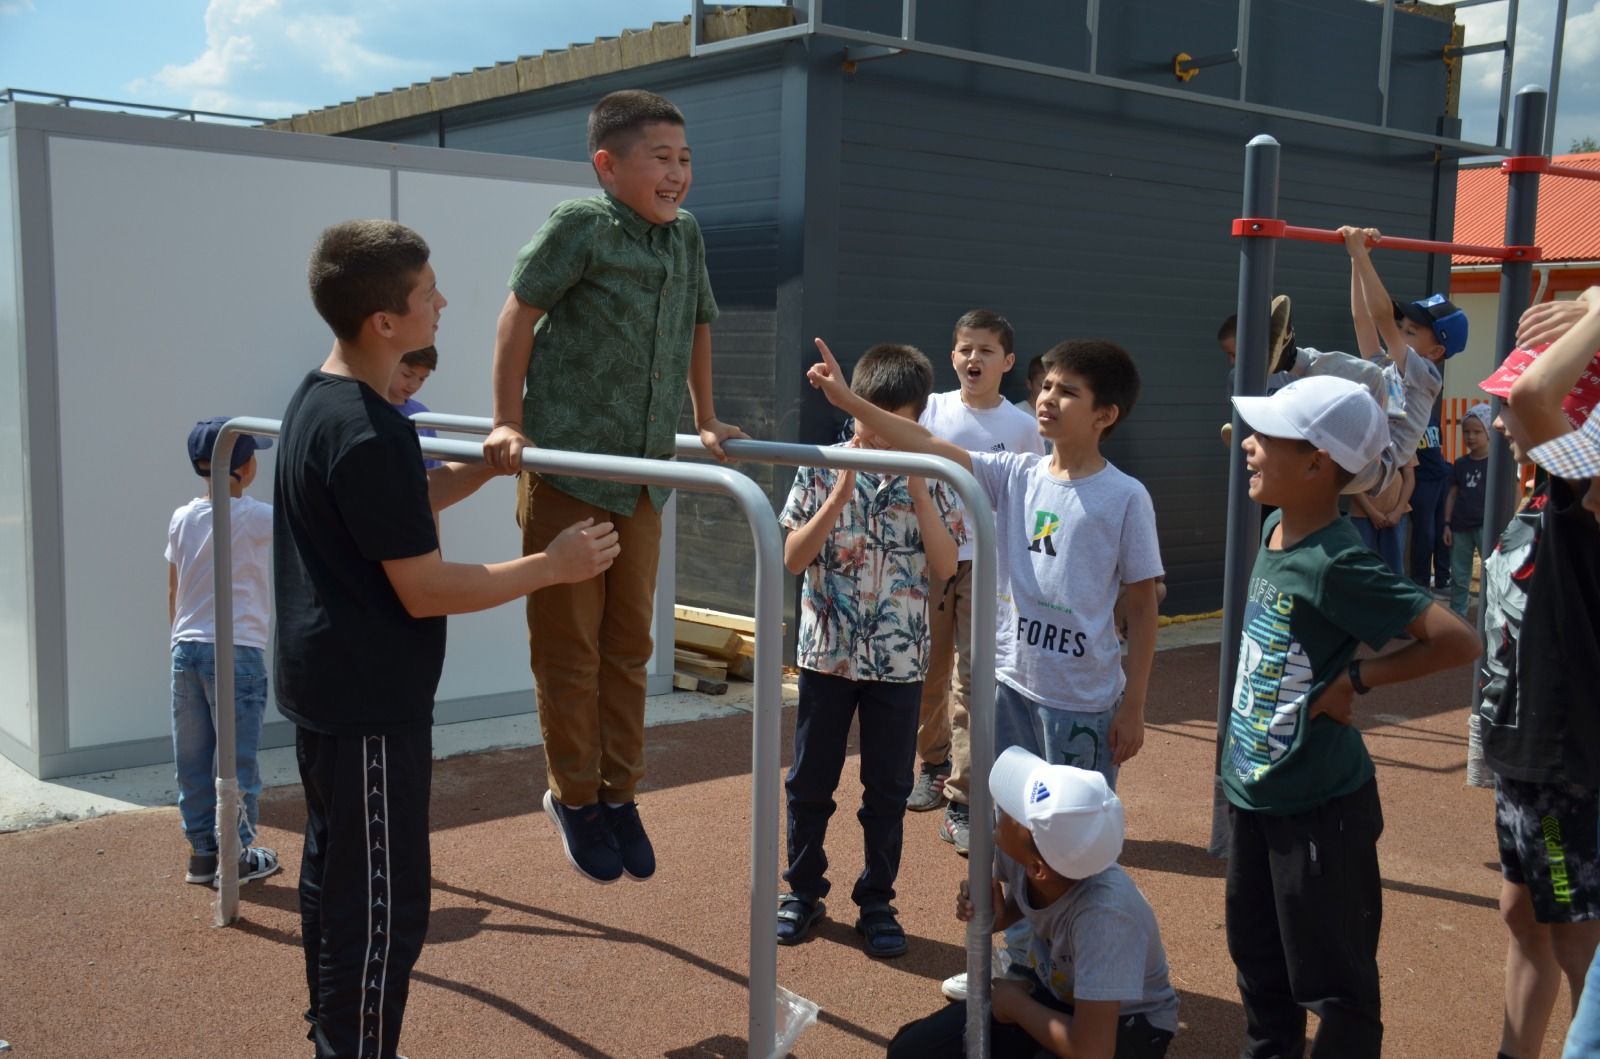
(1516, 277)
(697, 16)
(1556, 48)
(1506, 70)
(1091, 22)
(1257, 258)
(1385, 60)
(908, 19)
(1242, 35)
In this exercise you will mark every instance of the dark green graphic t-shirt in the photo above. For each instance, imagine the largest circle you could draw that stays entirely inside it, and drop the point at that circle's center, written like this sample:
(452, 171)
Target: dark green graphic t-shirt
(1308, 607)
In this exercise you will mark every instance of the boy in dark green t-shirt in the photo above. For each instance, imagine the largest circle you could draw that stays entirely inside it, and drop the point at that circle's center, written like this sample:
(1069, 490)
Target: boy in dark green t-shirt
(614, 295)
(1303, 897)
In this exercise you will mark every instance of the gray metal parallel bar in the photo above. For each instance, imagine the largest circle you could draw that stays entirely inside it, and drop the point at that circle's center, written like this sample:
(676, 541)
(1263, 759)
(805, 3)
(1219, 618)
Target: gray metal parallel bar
(908, 19)
(767, 743)
(1483, 49)
(1257, 259)
(855, 36)
(980, 519)
(1558, 44)
(754, 40)
(1091, 23)
(1472, 3)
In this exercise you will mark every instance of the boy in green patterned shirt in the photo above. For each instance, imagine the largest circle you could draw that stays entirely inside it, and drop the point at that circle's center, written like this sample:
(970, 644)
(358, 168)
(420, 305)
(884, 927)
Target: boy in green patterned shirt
(613, 292)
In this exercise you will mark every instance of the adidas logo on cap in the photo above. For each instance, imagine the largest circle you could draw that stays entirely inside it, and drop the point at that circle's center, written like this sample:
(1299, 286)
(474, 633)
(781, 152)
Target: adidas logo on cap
(1039, 793)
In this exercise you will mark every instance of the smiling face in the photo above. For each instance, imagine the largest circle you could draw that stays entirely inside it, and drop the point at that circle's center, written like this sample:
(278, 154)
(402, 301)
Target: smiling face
(652, 174)
(1279, 468)
(1510, 427)
(980, 362)
(1066, 411)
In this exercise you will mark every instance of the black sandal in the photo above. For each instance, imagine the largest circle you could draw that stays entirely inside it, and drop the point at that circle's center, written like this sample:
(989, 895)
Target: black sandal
(796, 918)
(884, 938)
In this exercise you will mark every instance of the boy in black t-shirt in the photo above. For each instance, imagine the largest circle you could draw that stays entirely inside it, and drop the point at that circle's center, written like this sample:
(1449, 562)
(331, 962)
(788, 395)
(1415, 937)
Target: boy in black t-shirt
(1540, 678)
(1463, 505)
(1304, 900)
(361, 593)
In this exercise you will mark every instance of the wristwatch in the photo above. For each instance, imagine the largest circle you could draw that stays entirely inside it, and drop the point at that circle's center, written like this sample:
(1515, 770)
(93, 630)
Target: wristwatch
(1355, 677)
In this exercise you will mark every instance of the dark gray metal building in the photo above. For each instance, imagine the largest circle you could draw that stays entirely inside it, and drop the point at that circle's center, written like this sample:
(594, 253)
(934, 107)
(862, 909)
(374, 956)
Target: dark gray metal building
(1037, 157)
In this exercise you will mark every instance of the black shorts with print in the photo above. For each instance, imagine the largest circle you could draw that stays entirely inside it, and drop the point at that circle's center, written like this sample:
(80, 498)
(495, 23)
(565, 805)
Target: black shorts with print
(1548, 843)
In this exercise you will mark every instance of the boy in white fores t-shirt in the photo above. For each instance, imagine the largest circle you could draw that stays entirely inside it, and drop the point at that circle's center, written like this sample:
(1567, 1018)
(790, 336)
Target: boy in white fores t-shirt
(975, 417)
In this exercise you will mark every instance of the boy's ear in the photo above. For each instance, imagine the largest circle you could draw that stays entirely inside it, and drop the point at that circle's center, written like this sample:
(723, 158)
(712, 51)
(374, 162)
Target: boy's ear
(1011, 358)
(605, 164)
(1107, 414)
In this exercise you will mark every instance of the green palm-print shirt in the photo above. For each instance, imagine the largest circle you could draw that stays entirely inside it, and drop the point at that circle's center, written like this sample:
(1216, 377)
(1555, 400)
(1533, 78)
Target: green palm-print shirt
(621, 299)
(864, 601)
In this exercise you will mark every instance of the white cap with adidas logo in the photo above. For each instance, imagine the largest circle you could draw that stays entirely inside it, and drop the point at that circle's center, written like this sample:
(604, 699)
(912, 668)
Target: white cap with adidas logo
(1073, 814)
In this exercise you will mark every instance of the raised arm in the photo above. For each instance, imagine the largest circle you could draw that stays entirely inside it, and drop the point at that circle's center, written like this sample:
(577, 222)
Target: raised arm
(513, 349)
(937, 542)
(1537, 394)
(1379, 306)
(902, 434)
(1366, 330)
(428, 586)
(802, 546)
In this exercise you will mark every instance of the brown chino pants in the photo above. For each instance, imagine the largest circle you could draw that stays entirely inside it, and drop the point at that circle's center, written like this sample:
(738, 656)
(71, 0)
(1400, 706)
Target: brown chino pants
(589, 648)
(942, 729)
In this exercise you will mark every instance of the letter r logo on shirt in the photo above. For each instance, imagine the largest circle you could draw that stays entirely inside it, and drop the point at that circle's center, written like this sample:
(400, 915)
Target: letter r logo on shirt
(1045, 524)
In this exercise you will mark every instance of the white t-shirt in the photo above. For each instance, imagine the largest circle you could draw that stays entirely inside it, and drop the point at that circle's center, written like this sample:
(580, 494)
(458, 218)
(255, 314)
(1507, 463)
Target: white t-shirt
(1003, 428)
(1066, 550)
(189, 549)
(1098, 941)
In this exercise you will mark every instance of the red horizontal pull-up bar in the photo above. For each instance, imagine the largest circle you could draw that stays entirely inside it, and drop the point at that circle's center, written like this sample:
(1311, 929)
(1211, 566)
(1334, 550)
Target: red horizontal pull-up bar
(1539, 164)
(1271, 228)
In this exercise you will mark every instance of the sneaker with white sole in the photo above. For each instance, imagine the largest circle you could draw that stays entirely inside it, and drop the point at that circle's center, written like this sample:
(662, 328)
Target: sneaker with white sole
(633, 844)
(257, 862)
(202, 867)
(955, 987)
(586, 839)
(956, 827)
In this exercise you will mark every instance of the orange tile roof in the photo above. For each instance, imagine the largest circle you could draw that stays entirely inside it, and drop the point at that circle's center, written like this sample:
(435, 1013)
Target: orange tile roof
(1569, 211)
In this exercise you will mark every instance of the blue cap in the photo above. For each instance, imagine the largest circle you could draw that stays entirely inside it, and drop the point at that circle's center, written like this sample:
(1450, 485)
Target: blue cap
(203, 439)
(1439, 315)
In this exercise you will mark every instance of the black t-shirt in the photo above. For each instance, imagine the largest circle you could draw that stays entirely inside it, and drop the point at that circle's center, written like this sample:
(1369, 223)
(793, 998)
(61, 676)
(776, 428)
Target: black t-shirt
(1540, 674)
(350, 493)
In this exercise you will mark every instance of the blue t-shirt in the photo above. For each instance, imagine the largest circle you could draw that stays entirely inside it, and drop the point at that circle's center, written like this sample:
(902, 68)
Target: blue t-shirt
(1468, 475)
(410, 408)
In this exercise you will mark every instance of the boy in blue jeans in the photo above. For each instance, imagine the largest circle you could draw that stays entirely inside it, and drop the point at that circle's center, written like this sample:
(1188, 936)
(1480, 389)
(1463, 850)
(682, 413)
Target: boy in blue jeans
(867, 545)
(608, 317)
(191, 614)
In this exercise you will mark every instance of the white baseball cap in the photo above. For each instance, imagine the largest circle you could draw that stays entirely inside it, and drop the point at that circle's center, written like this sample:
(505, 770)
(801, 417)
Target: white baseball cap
(1336, 415)
(1074, 816)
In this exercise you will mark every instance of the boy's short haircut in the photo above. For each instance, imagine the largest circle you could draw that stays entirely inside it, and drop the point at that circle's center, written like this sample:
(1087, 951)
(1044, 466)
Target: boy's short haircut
(1106, 367)
(985, 320)
(1036, 368)
(618, 120)
(1229, 328)
(363, 267)
(426, 358)
(893, 376)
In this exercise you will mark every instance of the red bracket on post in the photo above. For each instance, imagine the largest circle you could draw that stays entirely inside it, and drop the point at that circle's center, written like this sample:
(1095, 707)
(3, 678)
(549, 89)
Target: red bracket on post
(1264, 227)
(1524, 253)
(1526, 163)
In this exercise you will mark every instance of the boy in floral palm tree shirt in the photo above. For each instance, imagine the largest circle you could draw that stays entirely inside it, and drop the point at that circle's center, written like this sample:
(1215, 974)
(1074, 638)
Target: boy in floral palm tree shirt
(867, 545)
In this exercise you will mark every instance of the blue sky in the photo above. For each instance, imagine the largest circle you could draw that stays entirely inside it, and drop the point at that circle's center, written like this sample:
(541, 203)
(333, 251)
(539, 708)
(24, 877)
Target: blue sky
(276, 57)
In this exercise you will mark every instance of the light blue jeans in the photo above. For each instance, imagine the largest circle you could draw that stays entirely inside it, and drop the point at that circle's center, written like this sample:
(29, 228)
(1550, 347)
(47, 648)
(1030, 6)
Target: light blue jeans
(1061, 737)
(194, 737)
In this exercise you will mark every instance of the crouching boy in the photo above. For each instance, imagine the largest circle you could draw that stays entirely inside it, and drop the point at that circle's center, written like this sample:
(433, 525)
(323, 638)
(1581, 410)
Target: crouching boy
(1098, 987)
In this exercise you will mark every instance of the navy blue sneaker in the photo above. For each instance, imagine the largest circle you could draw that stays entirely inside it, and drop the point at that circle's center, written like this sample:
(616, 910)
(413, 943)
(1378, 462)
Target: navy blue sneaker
(586, 839)
(627, 830)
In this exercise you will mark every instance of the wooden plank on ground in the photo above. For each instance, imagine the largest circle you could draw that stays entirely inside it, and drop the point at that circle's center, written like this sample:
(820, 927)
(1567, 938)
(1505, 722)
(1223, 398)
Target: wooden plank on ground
(718, 618)
(724, 643)
(700, 665)
(690, 682)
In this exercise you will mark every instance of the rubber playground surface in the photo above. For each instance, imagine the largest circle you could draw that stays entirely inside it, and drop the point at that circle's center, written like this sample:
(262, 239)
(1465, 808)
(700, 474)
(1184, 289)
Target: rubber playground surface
(107, 953)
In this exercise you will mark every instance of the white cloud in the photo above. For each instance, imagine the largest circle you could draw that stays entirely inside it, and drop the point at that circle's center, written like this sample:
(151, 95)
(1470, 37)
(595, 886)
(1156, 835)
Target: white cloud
(15, 7)
(255, 48)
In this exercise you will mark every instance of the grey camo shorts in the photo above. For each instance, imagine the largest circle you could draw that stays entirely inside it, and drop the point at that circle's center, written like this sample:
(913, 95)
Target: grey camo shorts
(1548, 843)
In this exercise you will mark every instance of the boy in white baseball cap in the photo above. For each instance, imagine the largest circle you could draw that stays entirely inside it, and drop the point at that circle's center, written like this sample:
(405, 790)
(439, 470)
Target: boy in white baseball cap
(1098, 985)
(1304, 816)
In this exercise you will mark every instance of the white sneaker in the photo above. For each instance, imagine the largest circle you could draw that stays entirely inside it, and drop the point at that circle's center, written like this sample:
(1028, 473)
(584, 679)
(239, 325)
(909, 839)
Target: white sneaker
(955, 987)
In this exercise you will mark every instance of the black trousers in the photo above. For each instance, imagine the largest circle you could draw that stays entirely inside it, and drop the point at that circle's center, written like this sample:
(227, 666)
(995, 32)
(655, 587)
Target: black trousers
(889, 713)
(364, 884)
(1304, 907)
(943, 1035)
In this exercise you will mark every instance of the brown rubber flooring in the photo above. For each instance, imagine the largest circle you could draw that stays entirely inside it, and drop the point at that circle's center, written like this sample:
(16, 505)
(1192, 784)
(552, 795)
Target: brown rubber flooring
(105, 952)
